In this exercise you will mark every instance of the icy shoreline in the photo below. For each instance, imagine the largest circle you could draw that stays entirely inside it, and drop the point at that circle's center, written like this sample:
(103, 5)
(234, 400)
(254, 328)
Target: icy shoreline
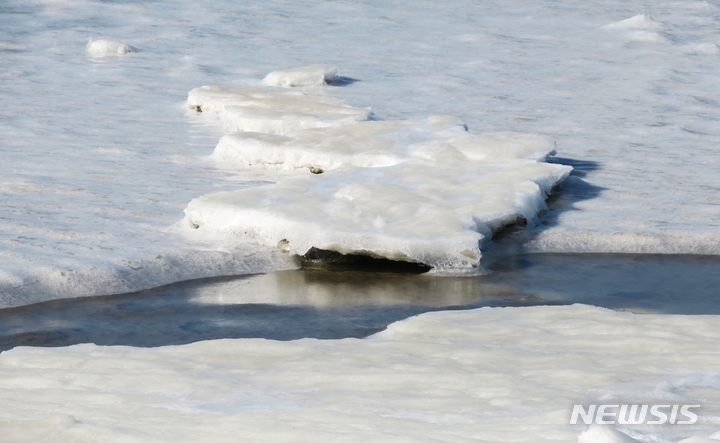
(98, 156)
(491, 374)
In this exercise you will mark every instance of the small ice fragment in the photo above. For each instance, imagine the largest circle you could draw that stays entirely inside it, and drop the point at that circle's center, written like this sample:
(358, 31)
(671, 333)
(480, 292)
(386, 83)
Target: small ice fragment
(640, 21)
(315, 75)
(106, 47)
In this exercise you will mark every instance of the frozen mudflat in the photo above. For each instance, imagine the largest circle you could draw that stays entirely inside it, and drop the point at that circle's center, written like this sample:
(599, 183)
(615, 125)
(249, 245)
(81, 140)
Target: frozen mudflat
(492, 374)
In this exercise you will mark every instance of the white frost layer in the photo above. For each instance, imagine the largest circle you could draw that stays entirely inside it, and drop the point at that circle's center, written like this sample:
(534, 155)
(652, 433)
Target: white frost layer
(315, 75)
(488, 375)
(106, 47)
(416, 191)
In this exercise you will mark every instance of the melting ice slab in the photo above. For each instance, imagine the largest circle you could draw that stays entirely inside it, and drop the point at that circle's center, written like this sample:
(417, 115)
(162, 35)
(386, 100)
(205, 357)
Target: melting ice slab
(314, 75)
(422, 191)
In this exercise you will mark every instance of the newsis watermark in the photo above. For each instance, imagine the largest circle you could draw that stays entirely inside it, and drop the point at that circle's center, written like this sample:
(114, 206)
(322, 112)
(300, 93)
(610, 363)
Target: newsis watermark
(634, 414)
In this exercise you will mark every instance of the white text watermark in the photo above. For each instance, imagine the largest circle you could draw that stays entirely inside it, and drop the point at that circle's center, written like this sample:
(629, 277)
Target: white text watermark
(634, 414)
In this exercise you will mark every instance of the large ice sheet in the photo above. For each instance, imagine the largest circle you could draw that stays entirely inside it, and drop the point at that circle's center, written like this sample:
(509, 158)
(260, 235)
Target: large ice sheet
(488, 375)
(426, 191)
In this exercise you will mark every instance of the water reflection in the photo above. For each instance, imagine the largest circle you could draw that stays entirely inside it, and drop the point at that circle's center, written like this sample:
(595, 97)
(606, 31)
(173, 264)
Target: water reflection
(328, 304)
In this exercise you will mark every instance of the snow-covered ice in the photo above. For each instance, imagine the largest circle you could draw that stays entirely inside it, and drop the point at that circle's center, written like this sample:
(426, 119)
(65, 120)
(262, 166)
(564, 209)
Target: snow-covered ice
(490, 375)
(101, 155)
(106, 47)
(427, 192)
(314, 75)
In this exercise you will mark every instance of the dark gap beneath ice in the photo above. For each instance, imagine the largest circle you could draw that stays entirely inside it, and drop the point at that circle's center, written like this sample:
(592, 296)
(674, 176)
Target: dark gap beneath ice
(334, 261)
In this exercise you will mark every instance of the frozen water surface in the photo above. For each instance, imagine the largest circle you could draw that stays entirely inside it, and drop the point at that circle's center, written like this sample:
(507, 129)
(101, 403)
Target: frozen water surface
(101, 155)
(100, 158)
(342, 301)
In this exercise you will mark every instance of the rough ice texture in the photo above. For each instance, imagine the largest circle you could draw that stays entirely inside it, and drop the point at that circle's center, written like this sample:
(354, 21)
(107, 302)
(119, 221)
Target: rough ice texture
(640, 21)
(488, 375)
(315, 75)
(106, 47)
(97, 160)
(426, 191)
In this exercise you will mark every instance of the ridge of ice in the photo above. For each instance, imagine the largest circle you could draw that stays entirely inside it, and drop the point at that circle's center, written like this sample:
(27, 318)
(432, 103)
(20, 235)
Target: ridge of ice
(640, 21)
(314, 75)
(106, 47)
(36, 284)
(424, 191)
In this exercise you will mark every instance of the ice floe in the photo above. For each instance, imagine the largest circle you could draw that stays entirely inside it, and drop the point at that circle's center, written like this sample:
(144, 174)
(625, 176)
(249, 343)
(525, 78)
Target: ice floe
(423, 191)
(314, 75)
(106, 47)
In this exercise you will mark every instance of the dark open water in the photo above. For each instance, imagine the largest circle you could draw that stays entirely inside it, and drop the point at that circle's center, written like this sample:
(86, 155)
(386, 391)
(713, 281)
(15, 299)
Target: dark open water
(327, 304)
